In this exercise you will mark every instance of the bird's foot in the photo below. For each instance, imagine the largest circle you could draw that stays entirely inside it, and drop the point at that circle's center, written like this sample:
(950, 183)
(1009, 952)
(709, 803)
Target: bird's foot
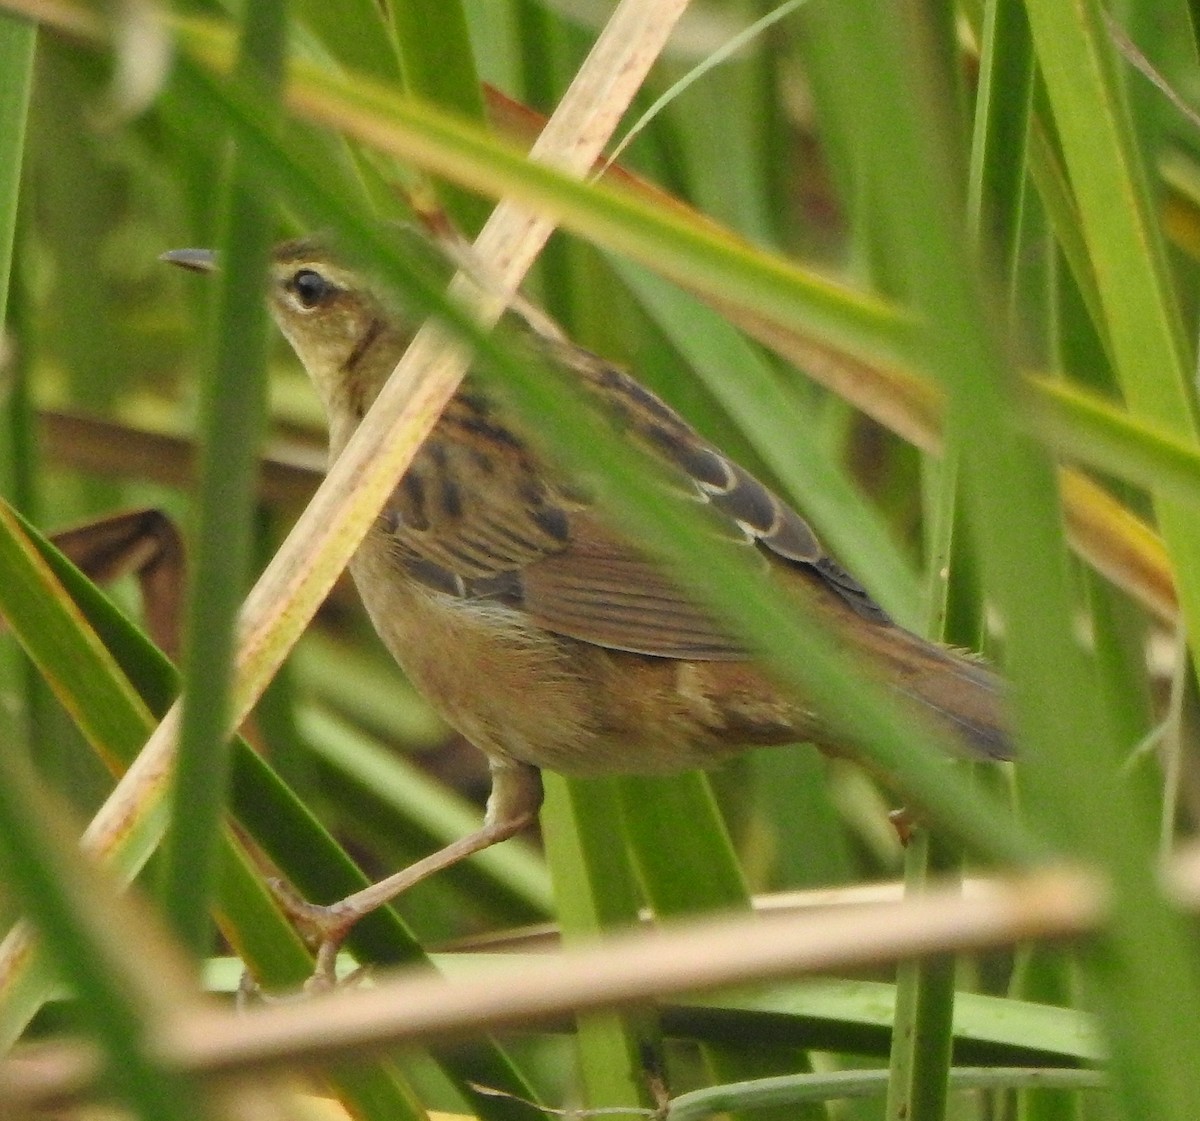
(324, 928)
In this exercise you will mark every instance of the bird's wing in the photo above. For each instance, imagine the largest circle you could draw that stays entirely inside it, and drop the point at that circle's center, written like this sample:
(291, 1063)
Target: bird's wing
(477, 516)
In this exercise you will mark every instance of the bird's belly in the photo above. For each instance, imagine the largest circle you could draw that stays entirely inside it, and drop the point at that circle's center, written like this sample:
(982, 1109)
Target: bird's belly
(519, 692)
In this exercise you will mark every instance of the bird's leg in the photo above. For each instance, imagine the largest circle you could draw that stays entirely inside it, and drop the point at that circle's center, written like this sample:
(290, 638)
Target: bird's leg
(512, 805)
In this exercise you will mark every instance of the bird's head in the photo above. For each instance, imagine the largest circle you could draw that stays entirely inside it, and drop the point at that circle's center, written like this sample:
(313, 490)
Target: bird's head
(343, 334)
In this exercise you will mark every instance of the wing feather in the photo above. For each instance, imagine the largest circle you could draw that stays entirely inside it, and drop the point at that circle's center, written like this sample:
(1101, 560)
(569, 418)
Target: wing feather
(480, 516)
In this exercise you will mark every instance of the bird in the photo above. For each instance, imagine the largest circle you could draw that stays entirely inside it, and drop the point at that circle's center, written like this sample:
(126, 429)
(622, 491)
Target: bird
(540, 631)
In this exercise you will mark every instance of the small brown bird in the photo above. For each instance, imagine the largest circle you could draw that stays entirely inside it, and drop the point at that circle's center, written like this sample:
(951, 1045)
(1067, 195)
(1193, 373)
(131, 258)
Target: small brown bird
(542, 635)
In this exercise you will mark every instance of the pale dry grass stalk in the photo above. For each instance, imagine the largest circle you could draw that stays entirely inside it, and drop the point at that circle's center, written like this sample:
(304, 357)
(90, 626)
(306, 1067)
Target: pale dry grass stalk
(1053, 904)
(630, 968)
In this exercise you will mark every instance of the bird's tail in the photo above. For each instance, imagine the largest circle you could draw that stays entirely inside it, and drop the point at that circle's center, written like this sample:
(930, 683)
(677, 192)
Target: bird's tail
(961, 693)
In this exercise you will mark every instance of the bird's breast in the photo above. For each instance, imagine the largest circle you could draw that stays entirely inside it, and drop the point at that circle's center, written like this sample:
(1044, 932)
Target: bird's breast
(511, 689)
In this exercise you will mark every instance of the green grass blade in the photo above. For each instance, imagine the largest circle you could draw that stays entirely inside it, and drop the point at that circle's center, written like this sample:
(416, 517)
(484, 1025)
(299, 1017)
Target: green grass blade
(838, 1086)
(17, 39)
(839, 1014)
(1101, 434)
(231, 430)
(594, 889)
(439, 67)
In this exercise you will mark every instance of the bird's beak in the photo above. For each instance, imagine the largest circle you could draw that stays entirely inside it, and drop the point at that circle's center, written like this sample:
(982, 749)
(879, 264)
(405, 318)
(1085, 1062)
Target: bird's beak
(194, 260)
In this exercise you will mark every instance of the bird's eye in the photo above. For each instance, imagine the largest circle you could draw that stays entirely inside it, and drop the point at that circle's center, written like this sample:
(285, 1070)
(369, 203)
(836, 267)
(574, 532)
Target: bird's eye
(311, 288)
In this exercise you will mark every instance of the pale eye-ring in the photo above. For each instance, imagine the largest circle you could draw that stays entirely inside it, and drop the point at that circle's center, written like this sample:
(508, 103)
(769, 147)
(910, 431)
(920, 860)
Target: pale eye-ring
(311, 288)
